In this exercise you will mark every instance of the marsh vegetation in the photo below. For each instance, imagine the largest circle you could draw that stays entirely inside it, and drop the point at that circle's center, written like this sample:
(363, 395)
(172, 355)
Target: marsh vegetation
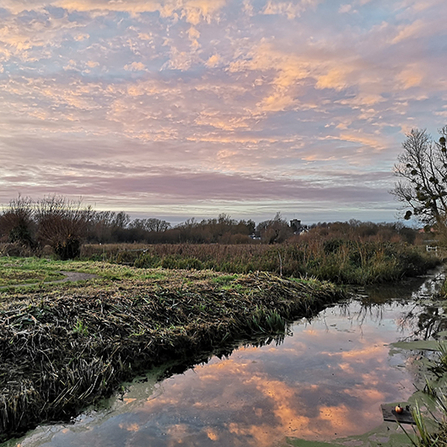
(338, 260)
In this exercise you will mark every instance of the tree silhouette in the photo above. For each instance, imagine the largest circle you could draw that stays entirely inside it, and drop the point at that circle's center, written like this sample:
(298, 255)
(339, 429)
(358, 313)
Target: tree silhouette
(422, 172)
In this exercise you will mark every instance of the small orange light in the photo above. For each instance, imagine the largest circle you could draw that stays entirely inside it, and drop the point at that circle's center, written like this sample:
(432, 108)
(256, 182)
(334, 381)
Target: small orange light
(398, 409)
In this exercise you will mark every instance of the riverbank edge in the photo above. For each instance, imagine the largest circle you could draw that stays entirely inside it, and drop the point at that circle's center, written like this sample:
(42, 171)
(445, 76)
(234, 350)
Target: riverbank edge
(61, 352)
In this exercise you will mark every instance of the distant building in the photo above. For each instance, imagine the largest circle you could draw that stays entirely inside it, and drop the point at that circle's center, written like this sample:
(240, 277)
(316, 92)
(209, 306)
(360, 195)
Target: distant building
(254, 237)
(298, 227)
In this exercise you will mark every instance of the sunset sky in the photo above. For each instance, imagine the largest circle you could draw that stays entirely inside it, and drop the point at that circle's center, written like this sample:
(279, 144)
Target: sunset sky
(190, 108)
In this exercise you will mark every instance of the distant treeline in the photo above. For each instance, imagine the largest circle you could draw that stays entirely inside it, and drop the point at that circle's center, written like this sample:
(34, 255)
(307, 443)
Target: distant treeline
(65, 225)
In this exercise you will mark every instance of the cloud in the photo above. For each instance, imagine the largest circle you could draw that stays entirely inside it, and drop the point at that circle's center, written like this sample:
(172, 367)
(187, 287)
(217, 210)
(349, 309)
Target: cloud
(336, 78)
(175, 186)
(197, 10)
(410, 77)
(283, 99)
(345, 8)
(135, 66)
(370, 141)
(412, 31)
(213, 61)
(290, 9)
(81, 37)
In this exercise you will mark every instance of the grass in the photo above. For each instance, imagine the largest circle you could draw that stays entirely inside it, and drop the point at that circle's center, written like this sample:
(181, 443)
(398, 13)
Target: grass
(80, 328)
(40, 271)
(27, 271)
(336, 260)
(64, 346)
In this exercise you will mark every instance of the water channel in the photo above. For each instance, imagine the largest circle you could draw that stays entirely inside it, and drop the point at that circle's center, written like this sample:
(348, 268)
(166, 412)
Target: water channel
(324, 380)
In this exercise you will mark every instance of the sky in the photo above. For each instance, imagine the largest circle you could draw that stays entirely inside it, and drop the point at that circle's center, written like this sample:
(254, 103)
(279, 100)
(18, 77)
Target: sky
(191, 108)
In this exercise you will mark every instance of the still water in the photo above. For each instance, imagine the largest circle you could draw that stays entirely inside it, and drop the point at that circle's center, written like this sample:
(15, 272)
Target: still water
(326, 379)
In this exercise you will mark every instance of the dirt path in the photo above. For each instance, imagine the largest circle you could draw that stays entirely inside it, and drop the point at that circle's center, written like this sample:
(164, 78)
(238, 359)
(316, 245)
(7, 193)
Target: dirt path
(76, 276)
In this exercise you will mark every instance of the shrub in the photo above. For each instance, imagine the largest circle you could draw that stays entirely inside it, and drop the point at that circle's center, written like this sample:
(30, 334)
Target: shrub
(147, 260)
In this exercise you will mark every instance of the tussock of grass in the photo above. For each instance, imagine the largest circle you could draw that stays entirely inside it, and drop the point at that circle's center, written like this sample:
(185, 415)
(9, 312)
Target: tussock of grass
(63, 348)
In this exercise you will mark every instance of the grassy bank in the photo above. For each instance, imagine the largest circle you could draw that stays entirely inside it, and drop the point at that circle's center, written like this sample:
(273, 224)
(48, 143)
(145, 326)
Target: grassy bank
(65, 345)
(337, 260)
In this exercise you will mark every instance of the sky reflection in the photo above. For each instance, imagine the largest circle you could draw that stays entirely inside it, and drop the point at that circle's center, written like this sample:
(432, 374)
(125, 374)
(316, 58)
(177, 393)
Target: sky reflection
(326, 381)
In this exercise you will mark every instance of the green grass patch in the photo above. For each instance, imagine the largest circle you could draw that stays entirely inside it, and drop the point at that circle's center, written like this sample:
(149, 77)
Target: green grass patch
(16, 271)
(224, 279)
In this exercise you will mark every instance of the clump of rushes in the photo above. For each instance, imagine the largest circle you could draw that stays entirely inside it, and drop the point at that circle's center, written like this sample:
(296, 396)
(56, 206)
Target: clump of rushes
(431, 431)
(64, 348)
(425, 436)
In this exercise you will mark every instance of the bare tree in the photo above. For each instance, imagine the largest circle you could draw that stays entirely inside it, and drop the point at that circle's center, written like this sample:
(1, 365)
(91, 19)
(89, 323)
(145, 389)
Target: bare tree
(16, 222)
(151, 224)
(100, 229)
(422, 172)
(62, 224)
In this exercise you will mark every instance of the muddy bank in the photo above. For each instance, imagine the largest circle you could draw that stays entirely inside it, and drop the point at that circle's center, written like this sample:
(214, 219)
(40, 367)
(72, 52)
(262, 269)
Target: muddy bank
(63, 351)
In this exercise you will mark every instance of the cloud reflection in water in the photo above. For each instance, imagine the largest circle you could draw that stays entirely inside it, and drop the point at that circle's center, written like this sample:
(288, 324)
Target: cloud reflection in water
(326, 381)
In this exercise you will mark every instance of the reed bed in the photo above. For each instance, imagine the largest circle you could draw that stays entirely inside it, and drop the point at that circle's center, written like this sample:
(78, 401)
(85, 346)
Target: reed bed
(64, 349)
(337, 260)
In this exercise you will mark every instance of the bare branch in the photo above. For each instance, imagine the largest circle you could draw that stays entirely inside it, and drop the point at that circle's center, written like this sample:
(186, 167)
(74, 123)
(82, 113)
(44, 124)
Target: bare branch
(422, 170)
